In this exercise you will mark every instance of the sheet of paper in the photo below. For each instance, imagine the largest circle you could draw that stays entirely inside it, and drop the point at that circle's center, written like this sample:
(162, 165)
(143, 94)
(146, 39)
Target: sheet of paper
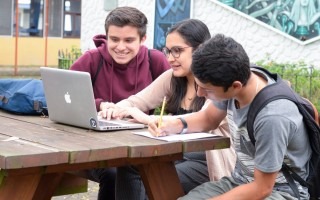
(177, 137)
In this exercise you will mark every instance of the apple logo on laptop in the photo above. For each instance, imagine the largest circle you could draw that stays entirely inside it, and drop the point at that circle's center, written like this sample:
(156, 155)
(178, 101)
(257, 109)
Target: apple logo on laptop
(67, 97)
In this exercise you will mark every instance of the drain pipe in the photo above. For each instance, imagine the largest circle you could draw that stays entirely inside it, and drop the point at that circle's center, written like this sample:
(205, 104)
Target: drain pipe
(16, 40)
(46, 33)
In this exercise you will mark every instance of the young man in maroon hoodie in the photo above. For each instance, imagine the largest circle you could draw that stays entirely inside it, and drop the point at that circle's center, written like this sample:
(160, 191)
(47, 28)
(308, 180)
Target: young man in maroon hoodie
(124, 60)
(120, 66)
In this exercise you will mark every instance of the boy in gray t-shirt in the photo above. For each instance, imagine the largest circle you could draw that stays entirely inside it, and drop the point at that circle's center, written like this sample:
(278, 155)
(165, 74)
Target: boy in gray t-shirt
(223, 74)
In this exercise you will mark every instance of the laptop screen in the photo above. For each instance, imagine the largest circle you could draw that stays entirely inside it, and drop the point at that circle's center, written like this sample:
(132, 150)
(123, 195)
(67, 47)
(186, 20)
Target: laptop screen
(70, 99)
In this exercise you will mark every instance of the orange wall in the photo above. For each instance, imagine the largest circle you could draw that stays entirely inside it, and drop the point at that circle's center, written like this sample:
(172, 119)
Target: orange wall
(31, 51)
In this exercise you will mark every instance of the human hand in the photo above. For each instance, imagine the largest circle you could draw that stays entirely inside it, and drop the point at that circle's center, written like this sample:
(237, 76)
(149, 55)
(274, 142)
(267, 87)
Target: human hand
(108, 110)
(169, 126)
(135, 113)
(111, 111)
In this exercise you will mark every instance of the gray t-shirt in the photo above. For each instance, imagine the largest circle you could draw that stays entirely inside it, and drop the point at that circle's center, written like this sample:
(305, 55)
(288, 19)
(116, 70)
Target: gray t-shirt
(280, 135)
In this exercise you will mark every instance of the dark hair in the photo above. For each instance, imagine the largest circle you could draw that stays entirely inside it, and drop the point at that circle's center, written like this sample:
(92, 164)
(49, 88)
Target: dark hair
(194, 32)
(220, 61)
(123, 16)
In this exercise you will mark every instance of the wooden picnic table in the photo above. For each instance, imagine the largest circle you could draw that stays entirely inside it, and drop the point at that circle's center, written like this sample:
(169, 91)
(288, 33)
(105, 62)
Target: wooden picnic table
(36, 154)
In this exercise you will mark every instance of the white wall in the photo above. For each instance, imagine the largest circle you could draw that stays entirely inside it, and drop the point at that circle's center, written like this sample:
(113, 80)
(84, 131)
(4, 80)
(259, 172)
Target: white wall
(93, 16)
(258, 40)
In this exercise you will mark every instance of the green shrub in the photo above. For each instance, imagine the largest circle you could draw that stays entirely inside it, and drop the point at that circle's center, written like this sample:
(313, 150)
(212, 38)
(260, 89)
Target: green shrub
(66, 58)
(305, 80)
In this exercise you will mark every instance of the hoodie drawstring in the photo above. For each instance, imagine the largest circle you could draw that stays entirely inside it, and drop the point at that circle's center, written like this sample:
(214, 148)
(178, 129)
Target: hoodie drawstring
(111, 84)
(136, 81)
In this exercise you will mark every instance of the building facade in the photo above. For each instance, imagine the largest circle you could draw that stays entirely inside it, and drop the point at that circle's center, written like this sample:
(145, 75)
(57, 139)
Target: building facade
(33, 31)
(262, 42)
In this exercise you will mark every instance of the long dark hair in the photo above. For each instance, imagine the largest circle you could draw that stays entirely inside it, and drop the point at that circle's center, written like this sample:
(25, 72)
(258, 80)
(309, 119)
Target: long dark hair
(194, 32)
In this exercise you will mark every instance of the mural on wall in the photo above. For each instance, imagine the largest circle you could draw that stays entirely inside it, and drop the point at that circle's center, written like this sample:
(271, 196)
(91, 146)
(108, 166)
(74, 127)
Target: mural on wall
(167, 13)
(298, 18)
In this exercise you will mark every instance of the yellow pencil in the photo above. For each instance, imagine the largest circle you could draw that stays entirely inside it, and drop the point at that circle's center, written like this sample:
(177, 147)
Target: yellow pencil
(162, 109)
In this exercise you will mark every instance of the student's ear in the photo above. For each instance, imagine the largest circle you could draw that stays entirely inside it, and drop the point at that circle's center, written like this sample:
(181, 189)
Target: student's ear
(143, 39)
(237, 85)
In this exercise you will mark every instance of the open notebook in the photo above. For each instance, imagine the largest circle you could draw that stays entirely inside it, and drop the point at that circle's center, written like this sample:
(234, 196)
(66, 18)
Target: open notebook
(70, 100)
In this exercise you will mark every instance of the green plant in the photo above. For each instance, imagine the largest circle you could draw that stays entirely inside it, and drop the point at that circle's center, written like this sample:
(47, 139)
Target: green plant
(304, 79)
(157, 110)
(66, 58)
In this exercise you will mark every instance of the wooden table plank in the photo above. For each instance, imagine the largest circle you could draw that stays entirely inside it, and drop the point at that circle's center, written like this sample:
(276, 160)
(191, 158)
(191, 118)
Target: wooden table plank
(19, 153)
(80, 147)
(139, 146)
(206, 143)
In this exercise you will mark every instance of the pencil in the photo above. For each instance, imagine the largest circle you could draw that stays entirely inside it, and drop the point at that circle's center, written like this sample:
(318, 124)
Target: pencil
(162, 109)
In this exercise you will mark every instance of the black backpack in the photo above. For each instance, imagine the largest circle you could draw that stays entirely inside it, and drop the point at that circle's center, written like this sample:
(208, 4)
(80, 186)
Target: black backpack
(281, 90)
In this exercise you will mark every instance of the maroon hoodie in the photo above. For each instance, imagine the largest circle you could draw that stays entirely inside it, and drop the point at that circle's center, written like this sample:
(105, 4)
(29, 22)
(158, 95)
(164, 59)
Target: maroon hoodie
(117, 81)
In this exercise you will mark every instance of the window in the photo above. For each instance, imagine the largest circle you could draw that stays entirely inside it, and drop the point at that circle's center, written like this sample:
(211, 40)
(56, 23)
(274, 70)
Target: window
(30, 20)
(72, 18)
(5, 16)
(64, 18)
(55, 18)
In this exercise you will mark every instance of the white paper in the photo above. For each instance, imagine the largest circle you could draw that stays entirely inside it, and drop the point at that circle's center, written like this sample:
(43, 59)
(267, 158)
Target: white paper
(10, 139)
(177, 137)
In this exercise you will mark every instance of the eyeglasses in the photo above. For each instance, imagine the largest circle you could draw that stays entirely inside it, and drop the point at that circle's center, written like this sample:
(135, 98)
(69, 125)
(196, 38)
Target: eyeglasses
(175, 51)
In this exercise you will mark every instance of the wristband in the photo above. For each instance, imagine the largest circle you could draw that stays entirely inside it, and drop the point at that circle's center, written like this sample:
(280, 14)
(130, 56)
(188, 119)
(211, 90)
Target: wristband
(185, 125)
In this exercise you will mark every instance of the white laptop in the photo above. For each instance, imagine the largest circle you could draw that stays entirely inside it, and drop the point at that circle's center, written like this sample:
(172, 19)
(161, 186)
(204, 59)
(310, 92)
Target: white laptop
(70, 100)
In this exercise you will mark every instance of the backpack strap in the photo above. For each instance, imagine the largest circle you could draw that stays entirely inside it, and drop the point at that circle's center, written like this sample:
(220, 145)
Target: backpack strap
(285, 170)
(98, 70)
(152, 74)
(150, 65)
(316, 113)
(262, 99)
(3, 99)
